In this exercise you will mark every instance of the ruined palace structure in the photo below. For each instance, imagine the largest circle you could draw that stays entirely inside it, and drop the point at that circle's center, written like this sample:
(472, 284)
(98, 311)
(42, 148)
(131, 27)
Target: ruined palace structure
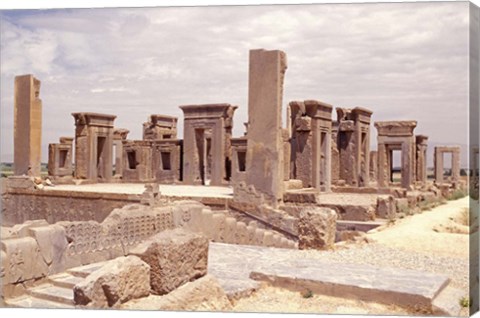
(27, 126)
(351, 135)
(311, 128)
(396, 135)
(439, 160)
(314, 151)
(207, 150)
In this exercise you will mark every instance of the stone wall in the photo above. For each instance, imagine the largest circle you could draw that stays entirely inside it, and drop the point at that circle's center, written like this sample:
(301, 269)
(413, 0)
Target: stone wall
(20, 205)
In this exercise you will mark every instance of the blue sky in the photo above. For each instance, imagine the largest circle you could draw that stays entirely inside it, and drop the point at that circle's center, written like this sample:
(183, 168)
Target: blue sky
(401, 60)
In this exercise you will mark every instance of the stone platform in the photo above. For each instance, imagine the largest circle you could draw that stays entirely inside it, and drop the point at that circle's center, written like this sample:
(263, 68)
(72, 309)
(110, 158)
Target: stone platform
(169, 190)
(241, 269)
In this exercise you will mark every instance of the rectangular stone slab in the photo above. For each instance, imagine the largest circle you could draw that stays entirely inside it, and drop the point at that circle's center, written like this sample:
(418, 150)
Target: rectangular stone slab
(406, 288)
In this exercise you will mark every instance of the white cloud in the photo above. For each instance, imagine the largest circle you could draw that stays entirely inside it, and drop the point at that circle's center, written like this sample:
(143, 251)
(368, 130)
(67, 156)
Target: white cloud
(402, 60)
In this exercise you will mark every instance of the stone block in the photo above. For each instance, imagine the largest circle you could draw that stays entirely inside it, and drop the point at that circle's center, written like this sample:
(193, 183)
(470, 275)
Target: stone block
(303, 123)
(19, 182)
(175, 257)
(118, 281)
(293, 184)
(230, 229)
(25, 261)
(241, 235)
(204, 294)
(24, 228)
(316, 228)
(402, 205)
(251, 234)
(356, 212)
(258, 238)
(219, 223)
(386, 207)
(53, 245)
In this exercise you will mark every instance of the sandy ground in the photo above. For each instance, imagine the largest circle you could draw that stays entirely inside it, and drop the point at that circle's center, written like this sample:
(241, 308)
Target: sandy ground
(273, 299)
(422, 242)
(429, 232)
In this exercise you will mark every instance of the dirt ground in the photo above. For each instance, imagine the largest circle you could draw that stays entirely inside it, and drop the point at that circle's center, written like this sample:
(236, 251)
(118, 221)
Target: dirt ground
(441, 232)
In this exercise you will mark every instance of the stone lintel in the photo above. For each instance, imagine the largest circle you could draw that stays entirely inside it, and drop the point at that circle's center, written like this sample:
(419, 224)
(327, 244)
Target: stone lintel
(362, 114)
(94, 119)
(66, 140)
(120, 133)
(239, 142)
(447, 149)
(164, 120)
(421, 139)
(206, 110)
(318, 109)
(395, 128)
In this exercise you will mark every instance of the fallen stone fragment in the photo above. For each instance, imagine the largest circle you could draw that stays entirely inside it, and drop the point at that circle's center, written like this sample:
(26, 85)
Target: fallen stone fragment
(116, 282)
(316, 228)
(204, 294)
(175, 257)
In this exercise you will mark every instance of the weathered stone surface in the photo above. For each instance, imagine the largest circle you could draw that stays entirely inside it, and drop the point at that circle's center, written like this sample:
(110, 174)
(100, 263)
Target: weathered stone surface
(175, 257)
(24, 260)
(439, 167)
(447, 303)
(406, 288)
(18, 182)
(355, 212)
(116, 282)
(93, 139)
(207, 143)
(316, 228)
(264, 159)
(352, 134)
(396, 135)
(204, 294)
(402, 205)
(27, 126)
(293, 184)
(53, 244)
(386, 207)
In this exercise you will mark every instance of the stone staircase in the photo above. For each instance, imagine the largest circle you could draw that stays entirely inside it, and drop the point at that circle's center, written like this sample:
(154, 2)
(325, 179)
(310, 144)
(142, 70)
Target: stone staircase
(56, 292)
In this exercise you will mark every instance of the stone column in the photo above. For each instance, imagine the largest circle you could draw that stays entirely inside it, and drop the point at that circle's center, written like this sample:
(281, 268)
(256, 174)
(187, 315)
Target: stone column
(421, 158)
(407, 164)
(119, 135)
(218, 158)
(373, 164)
(438, 164)
(190, 153)
(27, 126)
(382, 166)
(456, 165)
(265, 143)
(321, 128)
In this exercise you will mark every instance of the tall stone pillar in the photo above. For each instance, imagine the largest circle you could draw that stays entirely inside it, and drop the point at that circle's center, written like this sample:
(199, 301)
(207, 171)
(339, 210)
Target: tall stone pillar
(27, 126)
(373, 165)
(438, 165)
(456, 164)
(421, 158)
(382, 174)
(119, 135)
(265, 167)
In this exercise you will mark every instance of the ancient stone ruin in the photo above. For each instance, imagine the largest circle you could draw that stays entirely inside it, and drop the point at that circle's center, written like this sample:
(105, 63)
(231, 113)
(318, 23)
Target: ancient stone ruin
(168, 201)
(27, 126)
